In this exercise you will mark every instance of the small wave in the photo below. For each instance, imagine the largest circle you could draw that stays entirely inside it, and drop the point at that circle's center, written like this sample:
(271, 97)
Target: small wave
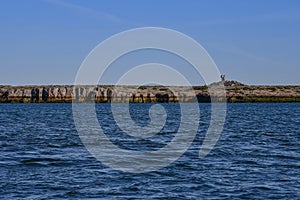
(42, 161)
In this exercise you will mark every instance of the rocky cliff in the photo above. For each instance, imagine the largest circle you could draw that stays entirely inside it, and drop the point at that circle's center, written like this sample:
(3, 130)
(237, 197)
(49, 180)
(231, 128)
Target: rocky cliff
(235, 92)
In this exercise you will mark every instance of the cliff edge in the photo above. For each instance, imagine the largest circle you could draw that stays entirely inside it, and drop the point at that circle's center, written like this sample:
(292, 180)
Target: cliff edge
(235, 92)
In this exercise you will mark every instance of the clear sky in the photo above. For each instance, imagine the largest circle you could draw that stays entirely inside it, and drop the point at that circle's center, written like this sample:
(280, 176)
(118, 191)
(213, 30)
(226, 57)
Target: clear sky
(252, 41)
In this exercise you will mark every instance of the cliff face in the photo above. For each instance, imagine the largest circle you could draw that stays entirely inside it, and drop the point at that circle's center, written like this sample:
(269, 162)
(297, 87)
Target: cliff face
(145, 94)
(101, 94)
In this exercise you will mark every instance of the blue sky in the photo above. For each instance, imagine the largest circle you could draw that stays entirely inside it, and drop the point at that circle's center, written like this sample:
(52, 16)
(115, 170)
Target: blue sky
(44, 42)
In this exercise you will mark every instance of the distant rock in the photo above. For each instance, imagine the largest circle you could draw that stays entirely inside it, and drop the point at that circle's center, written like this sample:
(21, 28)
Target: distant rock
(228, 83)
(233, 84)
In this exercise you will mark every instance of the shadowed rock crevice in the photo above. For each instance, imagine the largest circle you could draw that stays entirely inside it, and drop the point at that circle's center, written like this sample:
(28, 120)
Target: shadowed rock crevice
(45, 94)
(35, 95)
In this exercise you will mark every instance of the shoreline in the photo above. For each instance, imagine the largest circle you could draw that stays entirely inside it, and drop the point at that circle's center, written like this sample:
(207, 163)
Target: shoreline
(235, 93)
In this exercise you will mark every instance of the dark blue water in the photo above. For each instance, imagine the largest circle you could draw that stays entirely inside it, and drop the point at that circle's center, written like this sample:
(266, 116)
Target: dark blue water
(257, 156)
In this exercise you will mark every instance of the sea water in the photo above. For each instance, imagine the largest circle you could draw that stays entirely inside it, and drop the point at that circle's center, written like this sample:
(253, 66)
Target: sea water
(257, 155)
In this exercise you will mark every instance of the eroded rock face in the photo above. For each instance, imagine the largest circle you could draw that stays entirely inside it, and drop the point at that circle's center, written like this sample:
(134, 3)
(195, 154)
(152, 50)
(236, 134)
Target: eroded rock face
(45, 94)
(35, 95)
(235, 92)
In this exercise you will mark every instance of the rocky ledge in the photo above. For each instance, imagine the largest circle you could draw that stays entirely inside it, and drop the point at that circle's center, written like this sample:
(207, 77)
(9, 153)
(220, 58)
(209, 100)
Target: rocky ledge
(235, 92)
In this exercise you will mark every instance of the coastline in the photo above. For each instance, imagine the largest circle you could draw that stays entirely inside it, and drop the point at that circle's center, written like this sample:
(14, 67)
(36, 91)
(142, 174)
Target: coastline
(235, 93)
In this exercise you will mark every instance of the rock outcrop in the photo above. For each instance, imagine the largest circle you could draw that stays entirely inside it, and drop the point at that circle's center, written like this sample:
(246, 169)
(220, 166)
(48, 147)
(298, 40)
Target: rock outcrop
(235, 92)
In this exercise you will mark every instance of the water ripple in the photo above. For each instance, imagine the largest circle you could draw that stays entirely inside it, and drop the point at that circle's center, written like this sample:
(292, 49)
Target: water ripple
(257, 156)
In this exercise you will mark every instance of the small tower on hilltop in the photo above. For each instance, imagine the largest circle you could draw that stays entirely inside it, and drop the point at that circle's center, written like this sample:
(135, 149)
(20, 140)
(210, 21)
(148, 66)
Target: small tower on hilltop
(223, 78)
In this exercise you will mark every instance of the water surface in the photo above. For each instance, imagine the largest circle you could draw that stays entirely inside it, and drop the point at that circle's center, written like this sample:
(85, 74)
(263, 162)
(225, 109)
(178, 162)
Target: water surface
(257, 156)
